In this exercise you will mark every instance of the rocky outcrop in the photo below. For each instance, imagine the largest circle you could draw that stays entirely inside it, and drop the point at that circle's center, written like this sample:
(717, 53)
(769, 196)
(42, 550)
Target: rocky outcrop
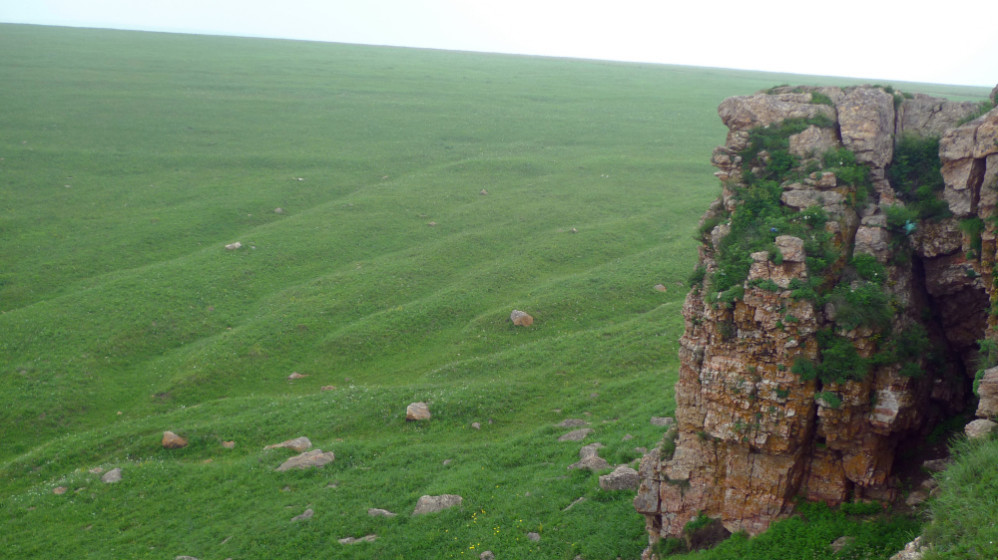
(837, 305)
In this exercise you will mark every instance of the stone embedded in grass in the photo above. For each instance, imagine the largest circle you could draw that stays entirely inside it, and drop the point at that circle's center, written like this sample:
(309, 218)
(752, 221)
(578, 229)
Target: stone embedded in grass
(185, 558)
(112, 476)
(572, 423)
(661, 288)
(476, 425)
(417, 411)
(351, 540)
(576, 435)
(622, 478)
(535, 537)
(173, 441)
(308, 459)
(307, 514)
(378, 512)
(521, 318)
(229, 444)
(59, 490)
(483, 192)
(433, 504)
(278, 210)
(841, 542)
(487, 555)
(233, 246)
(298, 444)
(328, 388)
(432, 224)
(589, 458)
(296, 375)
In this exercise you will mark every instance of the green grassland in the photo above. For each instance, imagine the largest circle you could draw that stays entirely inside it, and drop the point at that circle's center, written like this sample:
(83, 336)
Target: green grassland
(127, 162)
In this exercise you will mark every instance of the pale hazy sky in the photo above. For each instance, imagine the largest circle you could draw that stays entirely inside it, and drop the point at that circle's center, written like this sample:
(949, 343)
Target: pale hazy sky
(952, 42)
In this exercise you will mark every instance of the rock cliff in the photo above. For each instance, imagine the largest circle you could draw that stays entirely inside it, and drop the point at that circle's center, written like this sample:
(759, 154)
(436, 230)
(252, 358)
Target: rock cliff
(844, 281)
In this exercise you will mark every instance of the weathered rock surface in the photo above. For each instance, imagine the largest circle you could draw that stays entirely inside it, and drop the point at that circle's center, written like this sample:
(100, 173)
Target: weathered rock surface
(417, 411)
(308, 459)
(979, 428)
(752, 433)
(298, 444)
(433, 504)
(987, 390)
(173, 441)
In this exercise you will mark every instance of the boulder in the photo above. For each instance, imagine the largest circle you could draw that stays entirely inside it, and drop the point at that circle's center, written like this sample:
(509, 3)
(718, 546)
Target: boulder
(417, 411)
(173, 441)
(298, 444)
(433, 504)
(112, 476)
(521, 318)
(308, 459)
(622, 478)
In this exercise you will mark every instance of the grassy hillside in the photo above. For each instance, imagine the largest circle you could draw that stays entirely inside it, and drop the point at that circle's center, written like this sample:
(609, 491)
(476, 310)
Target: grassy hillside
(129, 160)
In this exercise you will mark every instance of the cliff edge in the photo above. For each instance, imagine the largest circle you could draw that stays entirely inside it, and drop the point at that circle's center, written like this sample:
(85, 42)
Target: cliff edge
(845, 278)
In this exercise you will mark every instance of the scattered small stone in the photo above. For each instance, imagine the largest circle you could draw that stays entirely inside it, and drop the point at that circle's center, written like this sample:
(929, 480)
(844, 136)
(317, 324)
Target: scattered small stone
(627, 437)
(328, 388)
(297, 444)
(573, 423)
(534, 536)
(432, 504)
(573, 230)
(521, 318)
(351, 540)
(446, 462)
(661, 288)
(622, 478)
(377, 512)
(59, 490)
(487, 555)
(173, 441)
(432, 224)
(96, 470)
(483, 192)
(576, 435)
(417, 411)
(296, 375)
(841, 542)
(306, 515)
(979, 428)
(229, 444)
(314, 458)
(300, 178)
(233, 246)
(661, 421)
(476, 425)
(185, 558)
(111, 476)
(278, 210)
(578, 500)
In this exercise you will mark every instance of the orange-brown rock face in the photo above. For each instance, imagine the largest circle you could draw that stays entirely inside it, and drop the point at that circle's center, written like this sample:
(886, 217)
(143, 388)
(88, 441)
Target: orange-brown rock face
(756, 427)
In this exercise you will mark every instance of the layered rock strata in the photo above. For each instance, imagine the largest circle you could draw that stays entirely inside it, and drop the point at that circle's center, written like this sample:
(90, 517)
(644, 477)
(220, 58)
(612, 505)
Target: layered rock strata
(807, 375)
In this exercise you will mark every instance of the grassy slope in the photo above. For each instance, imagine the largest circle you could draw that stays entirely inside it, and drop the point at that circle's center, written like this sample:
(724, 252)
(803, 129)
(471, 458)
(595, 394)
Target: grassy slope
(129, 160)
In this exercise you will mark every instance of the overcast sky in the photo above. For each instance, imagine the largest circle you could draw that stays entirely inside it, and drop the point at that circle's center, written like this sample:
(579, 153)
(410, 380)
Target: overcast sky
(952, 42)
